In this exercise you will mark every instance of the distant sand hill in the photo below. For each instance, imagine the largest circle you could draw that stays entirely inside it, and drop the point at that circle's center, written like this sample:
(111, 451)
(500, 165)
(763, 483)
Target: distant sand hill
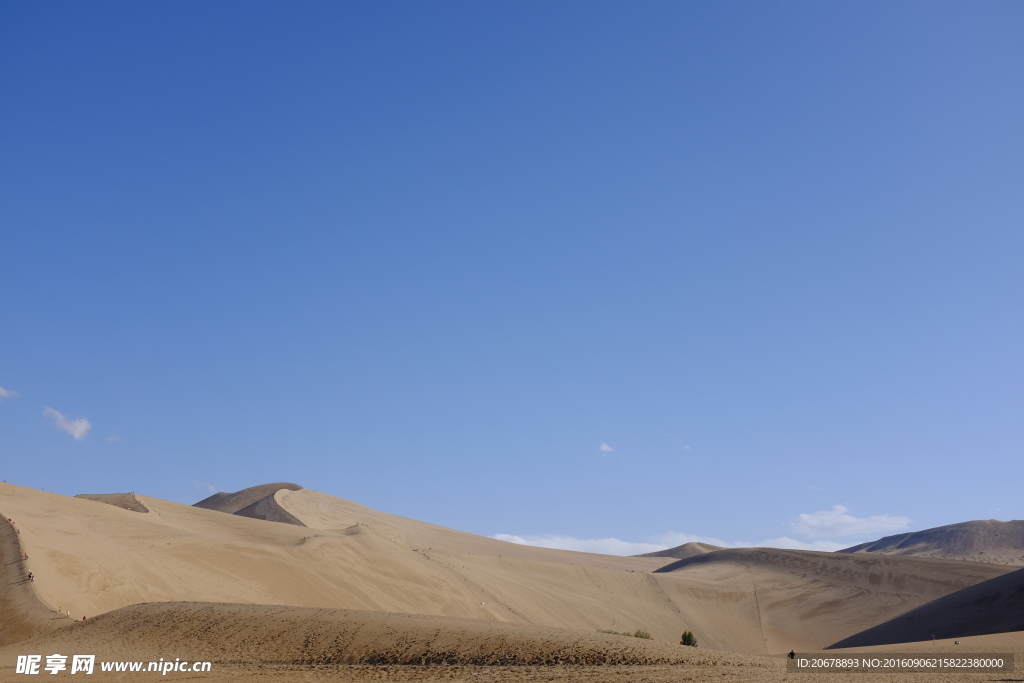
(342, 560)
(987, 541)
(681, 552)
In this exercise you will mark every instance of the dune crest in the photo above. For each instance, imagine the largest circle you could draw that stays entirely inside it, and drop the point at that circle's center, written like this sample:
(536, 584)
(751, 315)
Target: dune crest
(989, 541)
(231, 503)
(681, 552)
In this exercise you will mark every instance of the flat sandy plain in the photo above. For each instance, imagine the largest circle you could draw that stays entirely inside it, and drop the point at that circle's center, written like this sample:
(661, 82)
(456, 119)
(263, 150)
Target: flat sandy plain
(357, 594)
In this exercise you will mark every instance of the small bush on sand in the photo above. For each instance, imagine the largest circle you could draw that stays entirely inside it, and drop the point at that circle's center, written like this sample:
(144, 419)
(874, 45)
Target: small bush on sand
(639, 633)
(688, 639)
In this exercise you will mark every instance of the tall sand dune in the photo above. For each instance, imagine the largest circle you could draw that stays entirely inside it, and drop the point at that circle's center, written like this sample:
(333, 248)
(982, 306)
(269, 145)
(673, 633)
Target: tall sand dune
(988, 541)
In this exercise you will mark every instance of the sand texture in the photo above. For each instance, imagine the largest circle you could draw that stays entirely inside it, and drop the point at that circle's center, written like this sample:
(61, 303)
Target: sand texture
(128, 501)
(994, 606)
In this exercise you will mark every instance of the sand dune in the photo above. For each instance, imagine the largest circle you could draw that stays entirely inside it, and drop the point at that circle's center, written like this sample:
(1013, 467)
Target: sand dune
(231, 503)
(994, 606)
(92, 559)
(801, 599)
(681, 552)
(268, 509)
(987, 541)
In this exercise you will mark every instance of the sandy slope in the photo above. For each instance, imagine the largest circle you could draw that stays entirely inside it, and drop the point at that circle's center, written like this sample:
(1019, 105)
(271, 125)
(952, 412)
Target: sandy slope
(233, 633)
(993, 606)
(265, 643)
(128, 501)
(21, 611)
(987, 541)
(801, 598)
(92, 558)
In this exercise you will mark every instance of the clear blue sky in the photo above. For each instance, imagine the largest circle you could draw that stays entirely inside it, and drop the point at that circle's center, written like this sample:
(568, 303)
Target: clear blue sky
(430, 257)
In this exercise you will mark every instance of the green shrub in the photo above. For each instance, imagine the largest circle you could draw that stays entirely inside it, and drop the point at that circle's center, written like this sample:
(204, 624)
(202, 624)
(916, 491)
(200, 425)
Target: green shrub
(688, 639)
(639, 633)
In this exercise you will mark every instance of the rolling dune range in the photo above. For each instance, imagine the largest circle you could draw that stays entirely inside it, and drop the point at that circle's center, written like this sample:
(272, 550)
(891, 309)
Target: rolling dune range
(367, 573)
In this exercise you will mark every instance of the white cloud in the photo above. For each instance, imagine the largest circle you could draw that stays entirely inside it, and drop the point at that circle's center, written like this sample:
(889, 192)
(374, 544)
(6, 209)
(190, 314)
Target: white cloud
(7, 393)
(793, 544)
(615, 546)
(114, 438)
(605, 448)
(604, 546)
(836, 523)
(77, 428)
(204, 486)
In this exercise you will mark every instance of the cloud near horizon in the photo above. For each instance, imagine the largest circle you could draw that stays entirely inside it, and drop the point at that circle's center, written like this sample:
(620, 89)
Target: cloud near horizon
(604, 546)
(77, 428)
(836, 523)
(615, 546)
(7, 393)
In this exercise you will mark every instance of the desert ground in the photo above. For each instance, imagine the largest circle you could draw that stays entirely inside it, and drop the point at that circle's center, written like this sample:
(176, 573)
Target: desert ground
(282, 583)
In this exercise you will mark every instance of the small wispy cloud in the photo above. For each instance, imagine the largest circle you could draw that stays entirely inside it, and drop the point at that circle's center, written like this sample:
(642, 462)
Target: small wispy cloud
(837, 523)
(7, 393)
(77, 428)
(605, 448)
(204, 486)
(114, 438)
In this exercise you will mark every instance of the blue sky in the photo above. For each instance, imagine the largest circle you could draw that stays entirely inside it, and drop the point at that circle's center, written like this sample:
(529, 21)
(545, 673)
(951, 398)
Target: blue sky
(560, 271)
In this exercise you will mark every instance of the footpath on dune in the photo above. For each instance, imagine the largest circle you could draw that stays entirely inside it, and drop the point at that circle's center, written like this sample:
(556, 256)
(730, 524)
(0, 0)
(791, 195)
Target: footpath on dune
(22, 613)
